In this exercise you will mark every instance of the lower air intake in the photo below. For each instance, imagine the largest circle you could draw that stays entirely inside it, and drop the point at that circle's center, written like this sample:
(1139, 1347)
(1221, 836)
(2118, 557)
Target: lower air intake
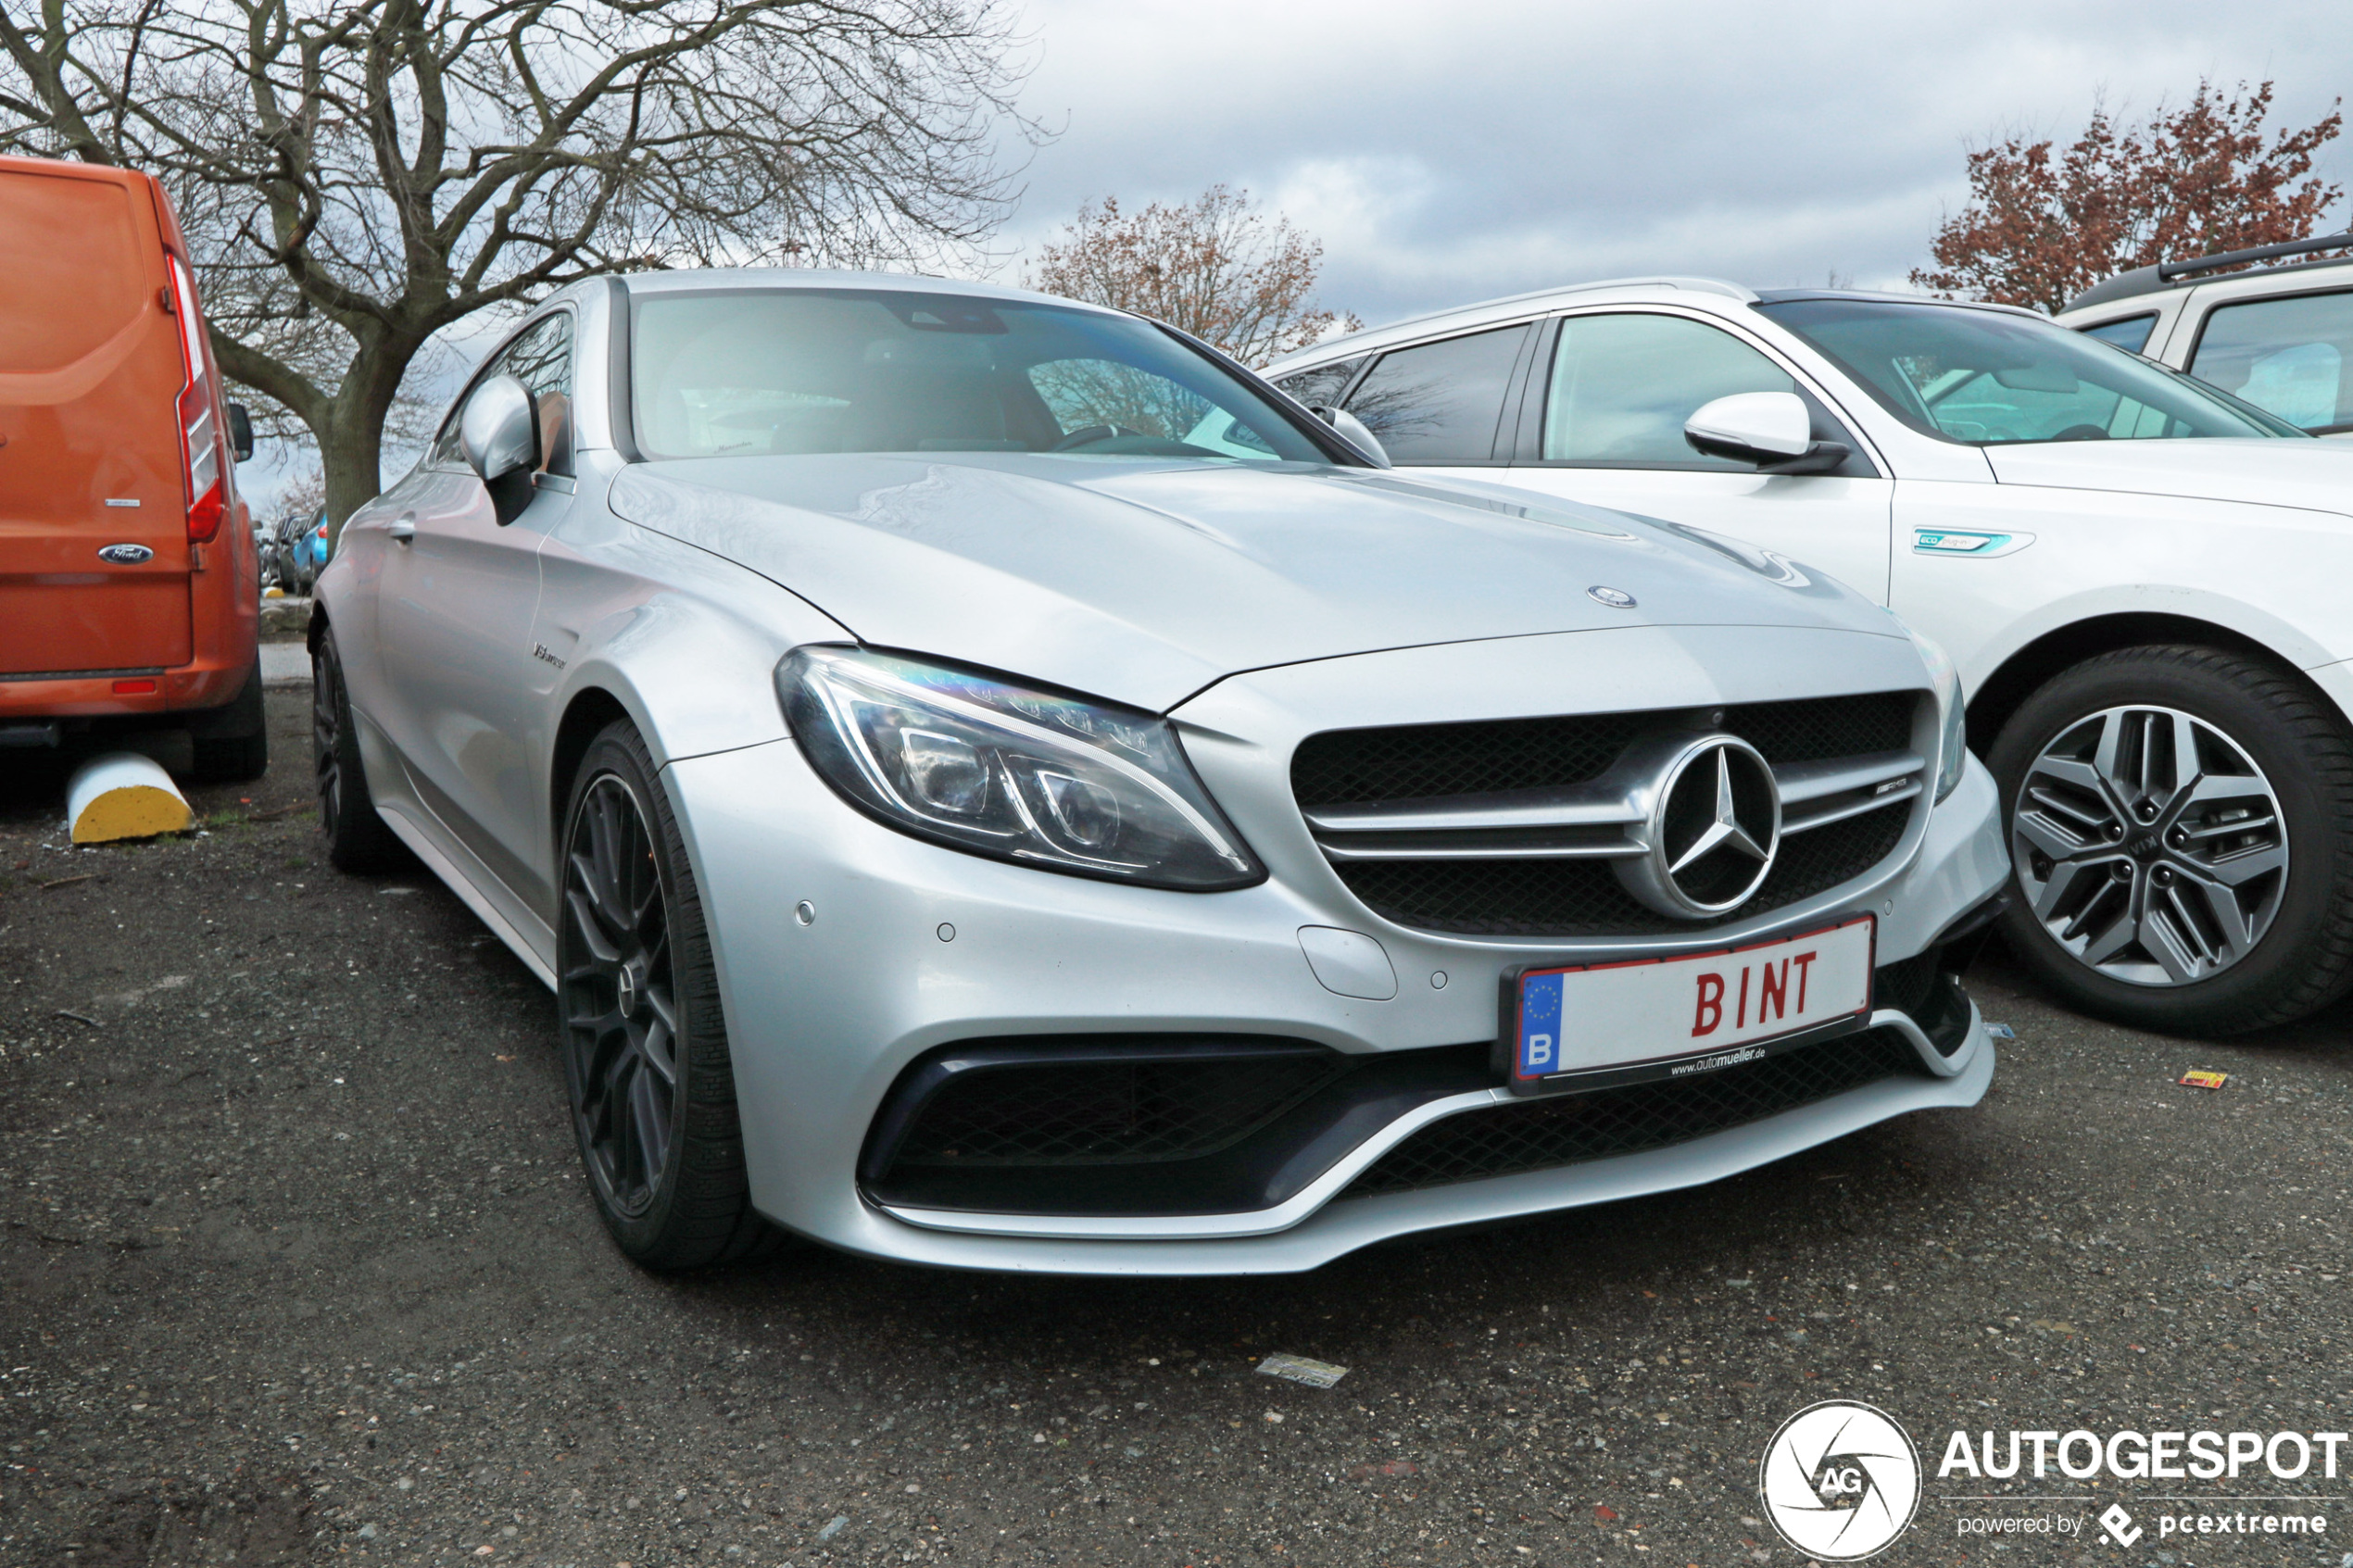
(1542, 1134)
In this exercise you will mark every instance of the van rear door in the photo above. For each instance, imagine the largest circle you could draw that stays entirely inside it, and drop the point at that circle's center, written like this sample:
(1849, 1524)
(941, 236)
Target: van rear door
(90, 451)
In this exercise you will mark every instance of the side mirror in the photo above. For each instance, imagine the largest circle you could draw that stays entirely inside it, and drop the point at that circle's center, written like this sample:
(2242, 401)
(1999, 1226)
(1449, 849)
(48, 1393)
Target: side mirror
(1772, 430)
(1353, 429)
(500, 435)
(240, 432)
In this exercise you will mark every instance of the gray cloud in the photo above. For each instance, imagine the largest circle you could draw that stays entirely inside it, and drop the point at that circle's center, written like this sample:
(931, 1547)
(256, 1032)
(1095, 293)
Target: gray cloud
(1450, 153)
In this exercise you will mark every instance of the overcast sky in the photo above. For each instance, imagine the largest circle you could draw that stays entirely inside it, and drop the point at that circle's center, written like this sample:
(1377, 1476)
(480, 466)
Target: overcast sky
(1454, 152)
(1446, 152)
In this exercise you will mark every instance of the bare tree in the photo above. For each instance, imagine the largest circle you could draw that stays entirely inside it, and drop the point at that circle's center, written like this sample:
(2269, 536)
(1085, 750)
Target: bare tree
(1214, 267)
(303, 495)
(355, 174)
(2196, 180)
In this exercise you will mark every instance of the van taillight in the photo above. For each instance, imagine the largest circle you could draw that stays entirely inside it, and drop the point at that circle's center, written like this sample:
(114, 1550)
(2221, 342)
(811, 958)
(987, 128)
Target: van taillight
(199, 420)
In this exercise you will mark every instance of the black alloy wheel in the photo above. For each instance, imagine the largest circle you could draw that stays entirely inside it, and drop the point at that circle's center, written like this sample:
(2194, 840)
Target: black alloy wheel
(357, 840)
(645, 1045)
(620, 1006)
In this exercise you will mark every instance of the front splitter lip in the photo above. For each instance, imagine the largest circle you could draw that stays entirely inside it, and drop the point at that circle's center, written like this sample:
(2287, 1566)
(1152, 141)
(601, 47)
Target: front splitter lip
(1312, 1229)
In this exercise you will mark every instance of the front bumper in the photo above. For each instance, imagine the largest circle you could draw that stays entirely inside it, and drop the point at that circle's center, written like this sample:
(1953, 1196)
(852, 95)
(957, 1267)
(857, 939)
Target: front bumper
(910, 947)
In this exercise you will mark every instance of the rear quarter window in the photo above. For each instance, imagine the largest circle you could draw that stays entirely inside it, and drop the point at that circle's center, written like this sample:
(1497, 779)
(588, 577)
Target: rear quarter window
(2131, 333)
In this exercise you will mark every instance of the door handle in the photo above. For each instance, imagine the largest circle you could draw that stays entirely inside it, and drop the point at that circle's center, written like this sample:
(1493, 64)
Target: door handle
(404, 532)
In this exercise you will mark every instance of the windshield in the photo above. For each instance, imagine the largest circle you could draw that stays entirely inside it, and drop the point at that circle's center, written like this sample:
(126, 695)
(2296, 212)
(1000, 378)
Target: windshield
(745, 372)
(1987, 378)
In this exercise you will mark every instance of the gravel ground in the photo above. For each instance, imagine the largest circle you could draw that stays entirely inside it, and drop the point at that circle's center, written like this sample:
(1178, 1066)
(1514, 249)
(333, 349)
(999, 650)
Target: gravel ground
(295, 1266)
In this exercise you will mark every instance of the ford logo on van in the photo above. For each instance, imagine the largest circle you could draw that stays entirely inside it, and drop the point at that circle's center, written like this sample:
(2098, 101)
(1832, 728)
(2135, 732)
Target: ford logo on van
(126, 555)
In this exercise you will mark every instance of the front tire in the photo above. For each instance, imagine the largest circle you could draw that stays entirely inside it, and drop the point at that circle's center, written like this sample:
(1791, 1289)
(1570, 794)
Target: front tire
(2180, 827)
(645, 1044)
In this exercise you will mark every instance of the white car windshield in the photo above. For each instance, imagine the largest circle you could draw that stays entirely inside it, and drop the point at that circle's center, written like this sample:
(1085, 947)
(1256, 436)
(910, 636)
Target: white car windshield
(1987, 378)
(753, 371)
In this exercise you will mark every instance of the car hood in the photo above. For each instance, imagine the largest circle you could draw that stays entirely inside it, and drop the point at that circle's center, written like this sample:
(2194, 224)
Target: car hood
(1145, 581)
(2276, 472)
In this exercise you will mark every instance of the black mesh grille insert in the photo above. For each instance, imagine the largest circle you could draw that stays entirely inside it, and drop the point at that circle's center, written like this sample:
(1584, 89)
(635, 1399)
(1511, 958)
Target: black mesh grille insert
(1572, 897)
(1106, 1113)
(1544, 1133)
(1425, 761)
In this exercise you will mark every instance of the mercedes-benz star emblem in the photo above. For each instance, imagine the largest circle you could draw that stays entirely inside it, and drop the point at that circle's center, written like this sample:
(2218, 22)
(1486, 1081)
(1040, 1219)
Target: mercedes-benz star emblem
(1714, 826)
(1617, 599)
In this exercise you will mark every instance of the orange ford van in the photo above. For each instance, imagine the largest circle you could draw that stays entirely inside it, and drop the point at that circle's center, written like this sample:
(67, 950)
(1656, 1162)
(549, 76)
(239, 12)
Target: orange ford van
(128, 577)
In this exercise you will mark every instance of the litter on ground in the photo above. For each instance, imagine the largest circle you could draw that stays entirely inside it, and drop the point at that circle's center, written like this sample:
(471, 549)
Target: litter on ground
(1299, 1369)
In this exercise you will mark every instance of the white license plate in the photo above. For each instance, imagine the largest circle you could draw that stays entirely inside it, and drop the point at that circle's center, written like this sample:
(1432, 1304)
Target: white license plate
(1695, 1012)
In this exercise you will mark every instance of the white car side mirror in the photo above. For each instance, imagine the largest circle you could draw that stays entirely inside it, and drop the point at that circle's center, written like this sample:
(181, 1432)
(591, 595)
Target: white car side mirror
(1353, 429)
(1756, 427)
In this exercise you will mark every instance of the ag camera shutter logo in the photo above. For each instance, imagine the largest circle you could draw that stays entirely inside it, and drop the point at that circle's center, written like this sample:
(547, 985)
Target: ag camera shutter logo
(1839, 1481)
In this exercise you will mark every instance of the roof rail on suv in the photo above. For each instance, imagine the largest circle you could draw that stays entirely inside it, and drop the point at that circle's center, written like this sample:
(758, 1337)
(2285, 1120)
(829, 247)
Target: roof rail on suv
(2149, 280)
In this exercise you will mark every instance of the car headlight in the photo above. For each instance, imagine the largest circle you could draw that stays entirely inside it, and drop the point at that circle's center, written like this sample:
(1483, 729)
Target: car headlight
(1952, 734)
(995, 769)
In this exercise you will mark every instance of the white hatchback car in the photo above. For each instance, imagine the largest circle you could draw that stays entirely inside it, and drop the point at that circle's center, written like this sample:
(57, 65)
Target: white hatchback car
(2154, 635)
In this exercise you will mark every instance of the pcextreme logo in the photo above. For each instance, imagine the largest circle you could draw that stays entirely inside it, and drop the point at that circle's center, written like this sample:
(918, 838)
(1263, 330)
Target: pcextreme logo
(1839, 1481)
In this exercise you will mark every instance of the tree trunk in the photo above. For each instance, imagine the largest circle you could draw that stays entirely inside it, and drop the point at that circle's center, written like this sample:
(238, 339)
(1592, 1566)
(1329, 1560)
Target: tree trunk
(351, 436)
(350, 450)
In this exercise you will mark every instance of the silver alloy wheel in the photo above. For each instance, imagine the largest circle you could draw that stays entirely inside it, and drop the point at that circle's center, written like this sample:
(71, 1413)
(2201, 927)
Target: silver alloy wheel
(2149, 845)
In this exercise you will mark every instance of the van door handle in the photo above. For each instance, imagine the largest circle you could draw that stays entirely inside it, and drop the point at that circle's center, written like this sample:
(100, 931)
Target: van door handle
(405, 530)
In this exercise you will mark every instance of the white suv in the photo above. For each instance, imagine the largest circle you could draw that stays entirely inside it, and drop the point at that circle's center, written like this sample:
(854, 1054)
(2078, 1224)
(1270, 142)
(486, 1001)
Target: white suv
(2280, 337)
(2155, 636)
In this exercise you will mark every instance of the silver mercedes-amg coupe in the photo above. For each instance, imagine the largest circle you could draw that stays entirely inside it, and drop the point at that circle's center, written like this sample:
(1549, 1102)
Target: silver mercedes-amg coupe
(992, 782)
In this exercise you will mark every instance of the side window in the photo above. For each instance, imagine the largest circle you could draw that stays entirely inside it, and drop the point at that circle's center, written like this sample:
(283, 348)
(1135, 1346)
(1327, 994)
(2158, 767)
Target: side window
(1323, 384)
(1622, 385)
(2131, 333)
(1439, 402)
(541, 360)
(2286, 356)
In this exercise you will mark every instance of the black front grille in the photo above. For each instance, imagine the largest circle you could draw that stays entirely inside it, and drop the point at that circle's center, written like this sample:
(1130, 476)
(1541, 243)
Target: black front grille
(1110, 1113)
(1542, 1134)
(1582, 897)
(1429, 761)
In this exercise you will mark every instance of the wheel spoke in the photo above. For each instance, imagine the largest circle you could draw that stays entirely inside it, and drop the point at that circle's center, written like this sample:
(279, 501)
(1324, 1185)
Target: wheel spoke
(2107, 754)
(583, 909)
(2052, 839)
(2064, 877)
(666, 1019)
(2223, 907)
(650, 1124)
(2187, 769)
(2239, 870)
(2110, 942)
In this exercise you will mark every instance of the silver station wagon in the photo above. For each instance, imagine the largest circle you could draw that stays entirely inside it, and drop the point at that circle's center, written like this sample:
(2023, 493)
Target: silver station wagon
(992, 783)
